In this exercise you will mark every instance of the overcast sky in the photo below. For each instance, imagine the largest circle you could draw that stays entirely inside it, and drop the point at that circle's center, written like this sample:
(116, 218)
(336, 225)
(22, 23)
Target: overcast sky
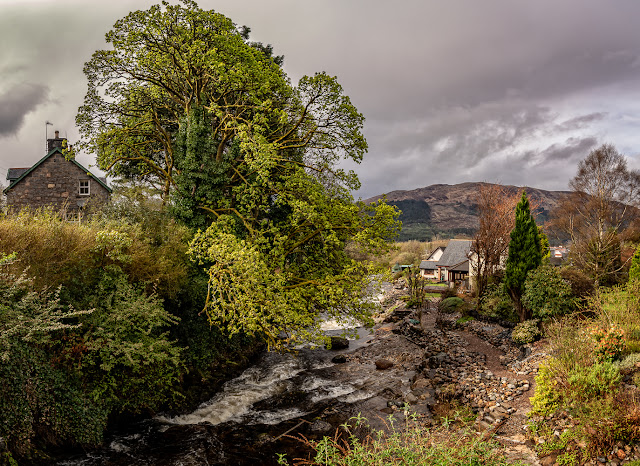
(507, 91)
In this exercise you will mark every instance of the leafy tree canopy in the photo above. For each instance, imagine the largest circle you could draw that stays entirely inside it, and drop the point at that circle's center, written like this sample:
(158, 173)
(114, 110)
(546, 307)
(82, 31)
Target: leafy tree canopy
(184, 100)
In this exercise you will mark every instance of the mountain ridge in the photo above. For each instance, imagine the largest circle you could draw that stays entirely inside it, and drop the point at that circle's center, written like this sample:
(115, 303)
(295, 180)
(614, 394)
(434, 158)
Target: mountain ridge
(451, 210)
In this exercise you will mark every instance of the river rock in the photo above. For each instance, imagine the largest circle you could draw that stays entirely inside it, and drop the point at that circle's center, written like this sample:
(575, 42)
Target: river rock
(339, 343)
(549, 460)
(319, 427)
(339, 359)
(411, 398)
(383, 364)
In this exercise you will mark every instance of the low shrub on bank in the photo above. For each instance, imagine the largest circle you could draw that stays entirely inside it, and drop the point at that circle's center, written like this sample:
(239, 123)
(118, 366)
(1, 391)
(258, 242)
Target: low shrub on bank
(451, 305)
(414, 445)
(526, 332)
(64, 370)
(39, 399)
(547, 294)
(497, 303)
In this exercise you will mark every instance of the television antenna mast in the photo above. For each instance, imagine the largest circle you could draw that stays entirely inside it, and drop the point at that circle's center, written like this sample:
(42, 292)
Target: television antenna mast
(46, 135)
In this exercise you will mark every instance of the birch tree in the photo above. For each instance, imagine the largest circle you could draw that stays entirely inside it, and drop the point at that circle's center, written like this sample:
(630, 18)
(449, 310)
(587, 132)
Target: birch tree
(602, 204)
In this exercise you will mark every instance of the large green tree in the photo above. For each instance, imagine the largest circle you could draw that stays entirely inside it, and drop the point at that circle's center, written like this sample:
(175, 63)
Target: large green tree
(524, 255)
(184, 100)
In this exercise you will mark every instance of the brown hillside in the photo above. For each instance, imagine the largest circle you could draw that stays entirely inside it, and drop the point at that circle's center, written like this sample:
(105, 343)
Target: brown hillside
(453, 207)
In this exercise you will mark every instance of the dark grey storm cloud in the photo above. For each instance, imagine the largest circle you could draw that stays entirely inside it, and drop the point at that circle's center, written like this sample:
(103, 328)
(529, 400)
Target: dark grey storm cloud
(16, 103)
(494, 90)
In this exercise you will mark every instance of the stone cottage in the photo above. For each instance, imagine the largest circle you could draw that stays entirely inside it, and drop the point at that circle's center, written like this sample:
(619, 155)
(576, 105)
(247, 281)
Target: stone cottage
(55, 181)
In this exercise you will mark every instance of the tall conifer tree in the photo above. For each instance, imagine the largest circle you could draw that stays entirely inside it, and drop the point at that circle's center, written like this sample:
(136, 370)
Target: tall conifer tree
(634, 270)
(524, 254)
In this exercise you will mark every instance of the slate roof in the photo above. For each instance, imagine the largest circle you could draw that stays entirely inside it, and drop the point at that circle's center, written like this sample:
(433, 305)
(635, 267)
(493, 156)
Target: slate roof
(456, 252)
(15, 173)
(428, 265)
(461, 267)
(39, 162)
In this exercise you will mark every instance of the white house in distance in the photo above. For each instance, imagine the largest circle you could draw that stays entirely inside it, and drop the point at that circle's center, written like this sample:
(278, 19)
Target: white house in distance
(429, 266)
(457, 265)
(450, 264)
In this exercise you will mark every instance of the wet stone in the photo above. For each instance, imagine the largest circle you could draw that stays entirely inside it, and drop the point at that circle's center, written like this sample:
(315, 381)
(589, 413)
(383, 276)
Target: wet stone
(319, 427)
(383, 364)
(339, 343)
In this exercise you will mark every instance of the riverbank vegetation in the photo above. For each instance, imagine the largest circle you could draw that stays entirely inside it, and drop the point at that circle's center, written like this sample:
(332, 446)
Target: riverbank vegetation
(98, 320)
(412, 445)
(589, 389)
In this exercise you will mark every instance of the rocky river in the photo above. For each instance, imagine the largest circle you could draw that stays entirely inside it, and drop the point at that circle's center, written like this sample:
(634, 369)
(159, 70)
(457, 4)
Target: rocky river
(426, 364)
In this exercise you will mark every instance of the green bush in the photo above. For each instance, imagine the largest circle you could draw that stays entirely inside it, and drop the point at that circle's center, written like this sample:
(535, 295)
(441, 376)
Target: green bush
(41, 402)
(634, 269)
(497, 303)
(65, 371)
(547, 398)
(129, 362)
(595, 381)
(451, 305)
(526, 332)
(546, 293)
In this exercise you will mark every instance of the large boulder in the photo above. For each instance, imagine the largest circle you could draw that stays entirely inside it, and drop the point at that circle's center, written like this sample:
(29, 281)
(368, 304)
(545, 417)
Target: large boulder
(338, 343)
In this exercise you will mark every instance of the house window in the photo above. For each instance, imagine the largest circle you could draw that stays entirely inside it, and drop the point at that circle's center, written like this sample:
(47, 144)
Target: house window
(83, 188)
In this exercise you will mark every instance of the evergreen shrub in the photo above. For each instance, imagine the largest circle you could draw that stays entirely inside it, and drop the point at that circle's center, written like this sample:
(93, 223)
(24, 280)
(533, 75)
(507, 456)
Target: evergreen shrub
(451, 305)
(546, 294)
(526, 332)
(498, 304)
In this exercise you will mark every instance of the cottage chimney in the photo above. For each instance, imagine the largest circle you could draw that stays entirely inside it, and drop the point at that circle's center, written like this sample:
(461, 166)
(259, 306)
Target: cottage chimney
(57, 141)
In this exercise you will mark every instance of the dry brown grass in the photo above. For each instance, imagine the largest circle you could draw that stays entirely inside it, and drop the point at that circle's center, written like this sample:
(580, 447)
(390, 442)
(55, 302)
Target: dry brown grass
(52, 250)
(56, 252)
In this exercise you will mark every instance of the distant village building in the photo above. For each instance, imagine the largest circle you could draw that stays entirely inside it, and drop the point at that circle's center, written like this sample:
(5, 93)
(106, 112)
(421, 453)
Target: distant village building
(457, 265)
(450, 264)
(558, 255)
(429, 266)
(55, 181)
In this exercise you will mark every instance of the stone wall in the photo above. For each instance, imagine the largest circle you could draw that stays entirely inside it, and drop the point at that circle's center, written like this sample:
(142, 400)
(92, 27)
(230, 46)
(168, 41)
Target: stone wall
(55, 182)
